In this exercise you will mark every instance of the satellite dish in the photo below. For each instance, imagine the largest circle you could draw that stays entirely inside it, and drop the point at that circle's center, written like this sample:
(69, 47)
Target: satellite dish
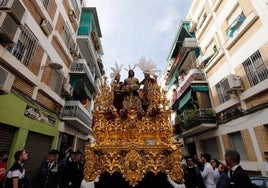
(55, 66)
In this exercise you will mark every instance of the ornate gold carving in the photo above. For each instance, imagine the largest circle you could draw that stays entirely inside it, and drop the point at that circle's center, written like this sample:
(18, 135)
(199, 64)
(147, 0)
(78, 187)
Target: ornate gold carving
(132, 142)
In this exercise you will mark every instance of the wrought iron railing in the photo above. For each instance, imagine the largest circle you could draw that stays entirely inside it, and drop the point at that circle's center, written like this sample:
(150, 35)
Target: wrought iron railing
(80, 67)
(74, 109)
(192, 118)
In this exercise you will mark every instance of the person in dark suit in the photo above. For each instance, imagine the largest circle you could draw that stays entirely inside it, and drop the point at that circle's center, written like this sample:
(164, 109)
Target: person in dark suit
(48, 175)
(193, 177)
(72, 174)
(238, 176)
(223, 179)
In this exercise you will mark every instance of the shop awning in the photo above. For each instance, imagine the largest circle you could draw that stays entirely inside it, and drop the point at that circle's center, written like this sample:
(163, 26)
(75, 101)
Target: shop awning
(185, 99)
(199, 88)
(173, 80)
(87, 91)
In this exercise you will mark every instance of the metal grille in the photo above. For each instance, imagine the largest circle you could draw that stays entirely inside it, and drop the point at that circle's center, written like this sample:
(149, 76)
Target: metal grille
(46, 3)
(255, 69)
(223, 97)
(37, 146)
(25, 48)
(56, 81)
(67, 35)
(6, 136)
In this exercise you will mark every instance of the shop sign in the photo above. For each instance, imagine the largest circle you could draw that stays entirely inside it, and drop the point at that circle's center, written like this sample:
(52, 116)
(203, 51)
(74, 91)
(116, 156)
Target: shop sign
(38, 115)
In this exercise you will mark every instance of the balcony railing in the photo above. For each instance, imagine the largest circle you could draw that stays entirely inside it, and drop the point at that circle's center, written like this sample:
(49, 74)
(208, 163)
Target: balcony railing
(76, 114)
(80, 66)
(204, 119)
(194, 75)
(200, 116)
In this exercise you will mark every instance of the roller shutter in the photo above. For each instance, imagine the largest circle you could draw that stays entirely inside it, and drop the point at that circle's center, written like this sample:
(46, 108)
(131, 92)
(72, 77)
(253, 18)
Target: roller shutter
(6, 137)
(37, 146)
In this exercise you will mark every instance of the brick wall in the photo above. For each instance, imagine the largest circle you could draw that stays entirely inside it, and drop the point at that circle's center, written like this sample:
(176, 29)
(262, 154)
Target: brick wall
(33, 11)
(219, 149)
(52, 9)
(256, 100)
(261, 133)
(37, 58)
(263, 51)
(248, 145)
(47, 73)
(57, 46)
(226, 141)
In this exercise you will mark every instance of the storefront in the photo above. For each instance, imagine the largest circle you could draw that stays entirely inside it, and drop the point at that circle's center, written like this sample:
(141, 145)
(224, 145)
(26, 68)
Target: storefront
(25, 125)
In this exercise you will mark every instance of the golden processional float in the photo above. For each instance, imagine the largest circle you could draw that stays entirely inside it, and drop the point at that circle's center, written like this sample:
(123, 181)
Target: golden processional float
(132, 142)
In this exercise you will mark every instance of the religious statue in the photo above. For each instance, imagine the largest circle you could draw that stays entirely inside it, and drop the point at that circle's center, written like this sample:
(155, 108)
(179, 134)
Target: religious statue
(131, 84)
(148, 68)
(145, 90)
(117, 87)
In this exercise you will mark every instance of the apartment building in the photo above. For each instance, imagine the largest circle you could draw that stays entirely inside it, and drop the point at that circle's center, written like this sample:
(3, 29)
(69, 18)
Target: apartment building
(50, 68)
(219, 91)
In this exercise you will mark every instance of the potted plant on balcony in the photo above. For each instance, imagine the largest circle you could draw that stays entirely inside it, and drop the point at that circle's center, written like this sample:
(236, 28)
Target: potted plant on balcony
(210, 112)
(178, 126)
(190, 115)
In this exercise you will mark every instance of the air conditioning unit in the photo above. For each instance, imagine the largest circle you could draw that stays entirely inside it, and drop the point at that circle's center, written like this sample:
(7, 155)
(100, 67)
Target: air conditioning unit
(9, 30)
(15, 9)
(231, 83)
(46, 27)
(74, 49)
(67, 90)
(190, 43)
(6, 81)
(192, 26)
(72, 16)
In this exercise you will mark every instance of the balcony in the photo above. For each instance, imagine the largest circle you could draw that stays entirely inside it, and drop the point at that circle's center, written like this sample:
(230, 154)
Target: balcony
(186, 79)
(194, 122)
(88, 38)
(75, 114)
(79, 68)
(185, 54)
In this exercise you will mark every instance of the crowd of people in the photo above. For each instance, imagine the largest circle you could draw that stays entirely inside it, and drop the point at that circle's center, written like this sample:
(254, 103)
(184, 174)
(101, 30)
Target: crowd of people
(52, 173)
(68, 172)
(212, 173)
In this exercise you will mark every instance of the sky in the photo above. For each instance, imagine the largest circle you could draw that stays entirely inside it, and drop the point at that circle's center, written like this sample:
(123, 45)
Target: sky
(132, 29)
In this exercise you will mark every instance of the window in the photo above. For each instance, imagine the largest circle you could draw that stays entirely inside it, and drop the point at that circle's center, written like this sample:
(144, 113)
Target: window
(234, 21)
(74, 4)
(25, 48)
(56, 81)
(46, 4)
(238, 145)
(223, 97)
(19, 51)
(67, 35)
(210, 146)
(255, 69)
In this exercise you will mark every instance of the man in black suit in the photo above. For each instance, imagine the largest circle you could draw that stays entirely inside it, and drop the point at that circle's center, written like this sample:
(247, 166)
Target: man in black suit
(48, 174)
(72, 173)
(238, 176)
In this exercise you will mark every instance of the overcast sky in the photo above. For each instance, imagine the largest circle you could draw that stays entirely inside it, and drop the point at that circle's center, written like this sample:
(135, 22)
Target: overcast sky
(132, 29)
